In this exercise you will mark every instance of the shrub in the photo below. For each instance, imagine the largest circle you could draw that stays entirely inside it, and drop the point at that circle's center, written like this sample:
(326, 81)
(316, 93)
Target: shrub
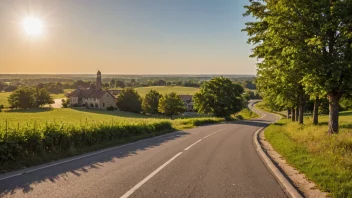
(24, 142)
(111, 108)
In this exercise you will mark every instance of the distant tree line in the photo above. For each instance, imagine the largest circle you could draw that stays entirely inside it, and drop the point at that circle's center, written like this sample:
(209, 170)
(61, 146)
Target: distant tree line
(218, 97)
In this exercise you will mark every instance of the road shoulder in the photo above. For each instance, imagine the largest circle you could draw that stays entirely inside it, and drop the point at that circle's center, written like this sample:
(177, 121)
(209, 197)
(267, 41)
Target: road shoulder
(297, 180)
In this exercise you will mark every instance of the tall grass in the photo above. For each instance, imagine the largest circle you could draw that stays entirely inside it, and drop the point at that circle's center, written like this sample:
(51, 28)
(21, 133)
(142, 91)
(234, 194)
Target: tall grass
(324, 159)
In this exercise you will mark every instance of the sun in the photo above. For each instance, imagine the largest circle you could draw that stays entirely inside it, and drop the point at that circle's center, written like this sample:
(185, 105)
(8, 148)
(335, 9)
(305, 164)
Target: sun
(32, 26)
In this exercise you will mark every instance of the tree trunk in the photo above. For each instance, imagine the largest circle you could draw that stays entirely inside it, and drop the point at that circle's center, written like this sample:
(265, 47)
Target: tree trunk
(333, 125)
(301, 108)
(316, 111)
(288, 113)
(297, 113)
(293, 114)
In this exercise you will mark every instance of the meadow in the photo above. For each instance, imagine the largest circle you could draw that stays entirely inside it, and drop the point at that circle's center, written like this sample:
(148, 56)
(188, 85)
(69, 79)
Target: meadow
(167, 89)
(324, 159)
(3, 98)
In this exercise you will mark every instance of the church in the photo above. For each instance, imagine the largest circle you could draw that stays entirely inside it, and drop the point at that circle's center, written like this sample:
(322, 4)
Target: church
(95, 98)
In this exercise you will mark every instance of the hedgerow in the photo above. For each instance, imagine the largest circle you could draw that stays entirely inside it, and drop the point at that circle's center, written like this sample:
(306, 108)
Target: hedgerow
(21, 142)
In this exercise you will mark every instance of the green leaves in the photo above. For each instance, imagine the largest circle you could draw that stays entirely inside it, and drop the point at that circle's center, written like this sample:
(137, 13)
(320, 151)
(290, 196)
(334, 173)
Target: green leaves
(151, 102)
(129, 100)
(171, 104)
(220, 97)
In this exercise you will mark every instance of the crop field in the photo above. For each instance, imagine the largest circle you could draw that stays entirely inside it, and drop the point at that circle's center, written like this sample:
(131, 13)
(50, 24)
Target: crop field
(167, 89)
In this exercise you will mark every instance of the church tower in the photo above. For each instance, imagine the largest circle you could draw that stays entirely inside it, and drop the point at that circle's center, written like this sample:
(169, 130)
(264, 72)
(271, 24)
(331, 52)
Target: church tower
(98, 84)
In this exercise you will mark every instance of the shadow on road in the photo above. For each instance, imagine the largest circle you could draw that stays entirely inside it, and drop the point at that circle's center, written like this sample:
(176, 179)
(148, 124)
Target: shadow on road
(81, 166)
(256, 123)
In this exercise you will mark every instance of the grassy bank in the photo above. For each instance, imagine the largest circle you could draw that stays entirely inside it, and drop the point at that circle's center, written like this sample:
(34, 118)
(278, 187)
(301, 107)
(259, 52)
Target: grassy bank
(326, 160)
(245, 114)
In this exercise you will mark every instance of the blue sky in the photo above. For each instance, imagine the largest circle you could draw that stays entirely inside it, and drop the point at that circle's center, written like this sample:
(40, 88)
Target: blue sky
(127, 37)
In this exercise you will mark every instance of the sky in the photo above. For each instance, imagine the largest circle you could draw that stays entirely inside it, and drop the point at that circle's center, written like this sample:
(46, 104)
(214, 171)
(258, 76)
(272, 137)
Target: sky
(126, 37)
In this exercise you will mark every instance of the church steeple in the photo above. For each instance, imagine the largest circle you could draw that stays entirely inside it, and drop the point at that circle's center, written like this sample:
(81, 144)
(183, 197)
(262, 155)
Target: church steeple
(98, 84)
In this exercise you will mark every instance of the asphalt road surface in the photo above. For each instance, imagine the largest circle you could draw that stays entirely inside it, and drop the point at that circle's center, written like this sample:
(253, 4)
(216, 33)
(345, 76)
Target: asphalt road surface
(210, 161)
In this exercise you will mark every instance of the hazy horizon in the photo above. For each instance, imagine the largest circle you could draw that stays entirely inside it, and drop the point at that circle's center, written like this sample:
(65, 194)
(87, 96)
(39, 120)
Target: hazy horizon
(125, 37)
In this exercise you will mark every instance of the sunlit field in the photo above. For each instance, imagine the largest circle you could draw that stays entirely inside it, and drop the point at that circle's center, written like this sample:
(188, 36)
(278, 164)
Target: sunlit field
(167, 89)
(326, 160)
(3, 98)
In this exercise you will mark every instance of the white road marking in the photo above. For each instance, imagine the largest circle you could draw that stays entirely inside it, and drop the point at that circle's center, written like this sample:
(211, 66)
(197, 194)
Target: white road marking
(202, 139)
(132, 190)
(193, 144)
(213, 133)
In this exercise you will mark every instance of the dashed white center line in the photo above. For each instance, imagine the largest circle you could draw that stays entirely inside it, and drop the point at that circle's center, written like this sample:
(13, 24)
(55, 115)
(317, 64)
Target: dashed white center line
(131, 191)
(134, 188)
(193, 144)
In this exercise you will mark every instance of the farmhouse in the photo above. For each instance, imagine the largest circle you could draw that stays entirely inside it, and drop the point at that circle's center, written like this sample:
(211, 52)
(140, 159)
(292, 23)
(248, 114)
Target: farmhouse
(188, 101)
(92, 97)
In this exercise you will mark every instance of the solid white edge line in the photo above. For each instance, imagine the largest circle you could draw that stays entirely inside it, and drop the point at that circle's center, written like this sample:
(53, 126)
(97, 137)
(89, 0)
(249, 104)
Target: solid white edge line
(193, 144)
(134, 188)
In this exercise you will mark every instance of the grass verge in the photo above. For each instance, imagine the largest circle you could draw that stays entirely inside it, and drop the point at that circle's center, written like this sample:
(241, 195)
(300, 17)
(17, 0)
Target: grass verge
(326, 160)
(245, 114)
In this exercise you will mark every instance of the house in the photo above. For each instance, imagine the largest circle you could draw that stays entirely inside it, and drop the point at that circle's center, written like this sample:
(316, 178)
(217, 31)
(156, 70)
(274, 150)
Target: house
(92, 97)
(188, 101)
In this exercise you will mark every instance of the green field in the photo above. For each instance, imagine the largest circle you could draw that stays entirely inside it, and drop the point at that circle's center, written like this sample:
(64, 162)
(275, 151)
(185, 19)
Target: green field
(62, 95)
(167, 89)
(66, 115)
(324, 159)
(3, 98)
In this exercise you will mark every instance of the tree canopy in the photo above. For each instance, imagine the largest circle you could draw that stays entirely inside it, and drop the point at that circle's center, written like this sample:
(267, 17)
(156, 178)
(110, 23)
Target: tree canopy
(219, 97)
(305, 51)
(171, 104)
(151, 102)
(129, 100)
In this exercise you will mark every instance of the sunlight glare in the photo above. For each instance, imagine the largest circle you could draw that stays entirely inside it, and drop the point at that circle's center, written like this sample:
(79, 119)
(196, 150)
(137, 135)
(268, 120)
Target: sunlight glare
(33, 26)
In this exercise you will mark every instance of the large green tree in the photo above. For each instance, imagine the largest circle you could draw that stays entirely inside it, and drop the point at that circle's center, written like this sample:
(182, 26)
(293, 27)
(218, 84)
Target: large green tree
(43, 97)
(171, 104)
(219, 97)
(23, 97)
(307, 45)
(151, 102)
(129, 100)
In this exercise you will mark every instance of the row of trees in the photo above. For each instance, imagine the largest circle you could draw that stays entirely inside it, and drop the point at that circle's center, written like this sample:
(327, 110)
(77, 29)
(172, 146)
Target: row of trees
(153, 103)
(219, 97)
(305, 53)
(29, 97)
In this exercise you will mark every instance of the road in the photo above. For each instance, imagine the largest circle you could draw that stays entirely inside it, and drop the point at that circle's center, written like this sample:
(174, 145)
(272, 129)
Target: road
(209, 161)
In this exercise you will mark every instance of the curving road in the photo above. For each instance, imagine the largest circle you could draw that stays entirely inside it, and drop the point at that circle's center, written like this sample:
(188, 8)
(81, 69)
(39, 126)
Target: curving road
(209, 161)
